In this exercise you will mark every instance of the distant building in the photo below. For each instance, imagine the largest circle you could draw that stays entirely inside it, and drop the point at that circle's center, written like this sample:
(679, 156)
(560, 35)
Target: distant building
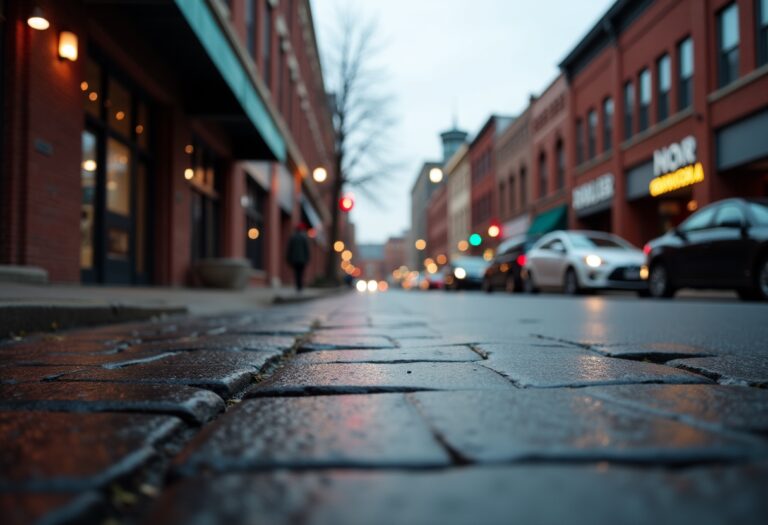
(370, 259)
(437, 223)
(457, 174)
(420, 194)
(395, 253)
(484, 212)
(513, 161)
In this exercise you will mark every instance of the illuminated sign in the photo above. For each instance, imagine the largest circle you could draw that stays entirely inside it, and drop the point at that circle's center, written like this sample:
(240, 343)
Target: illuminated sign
(675, 167)
(681, 178)
(594, 192)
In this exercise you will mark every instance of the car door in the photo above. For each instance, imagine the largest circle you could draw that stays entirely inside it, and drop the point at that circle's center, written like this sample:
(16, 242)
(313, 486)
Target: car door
(729, 248)
(689, 260)
(551, 262)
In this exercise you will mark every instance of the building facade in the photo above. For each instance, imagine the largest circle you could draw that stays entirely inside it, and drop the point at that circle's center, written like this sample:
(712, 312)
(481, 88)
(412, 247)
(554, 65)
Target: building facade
(550, 143)
(437, 224)
(143, 138)
(420, 194)
(482, 164)
(513, 162)
(395, 254)
(669, 112)
(457, 173)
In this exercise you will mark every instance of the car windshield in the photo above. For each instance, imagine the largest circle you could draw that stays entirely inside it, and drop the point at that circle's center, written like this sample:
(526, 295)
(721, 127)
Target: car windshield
(759, 212)
(470, 263)
(580, 240)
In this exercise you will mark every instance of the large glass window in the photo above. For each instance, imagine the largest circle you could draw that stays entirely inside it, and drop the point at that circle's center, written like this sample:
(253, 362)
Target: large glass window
(592, 134)
(645, 100)
(607, 124)
(543, 175)
(762, 32)
(629, 109)
(663, 85)
(88, 202)
(685, 66)
(728, 45)
(255, 208)
(118, 178)
(205, 202)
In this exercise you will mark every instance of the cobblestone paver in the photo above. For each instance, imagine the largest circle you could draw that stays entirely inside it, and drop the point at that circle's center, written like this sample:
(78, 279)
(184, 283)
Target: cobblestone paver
(398, 408)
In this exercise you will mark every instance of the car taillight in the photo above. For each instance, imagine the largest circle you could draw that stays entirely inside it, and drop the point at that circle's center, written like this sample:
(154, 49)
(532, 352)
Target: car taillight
(521, 260)
(647, 249)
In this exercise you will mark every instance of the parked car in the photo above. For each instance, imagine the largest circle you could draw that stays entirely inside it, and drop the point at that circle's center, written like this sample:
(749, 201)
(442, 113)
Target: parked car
(724, 245)
(464, 273)
(436, 281)
(505, 269)
(579, 261)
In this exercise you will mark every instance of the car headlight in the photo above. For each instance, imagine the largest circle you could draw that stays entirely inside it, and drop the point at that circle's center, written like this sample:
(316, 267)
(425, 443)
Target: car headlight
(460, 273)
(593, 261)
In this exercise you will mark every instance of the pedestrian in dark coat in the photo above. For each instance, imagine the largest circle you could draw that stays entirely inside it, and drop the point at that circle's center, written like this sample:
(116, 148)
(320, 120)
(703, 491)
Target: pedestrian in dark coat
(298, 254)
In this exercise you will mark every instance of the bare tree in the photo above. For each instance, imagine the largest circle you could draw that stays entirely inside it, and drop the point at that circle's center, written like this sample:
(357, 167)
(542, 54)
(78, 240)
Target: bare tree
(361, 116)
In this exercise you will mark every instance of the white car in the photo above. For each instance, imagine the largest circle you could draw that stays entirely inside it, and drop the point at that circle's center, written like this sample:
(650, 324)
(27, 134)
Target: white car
(576, 261)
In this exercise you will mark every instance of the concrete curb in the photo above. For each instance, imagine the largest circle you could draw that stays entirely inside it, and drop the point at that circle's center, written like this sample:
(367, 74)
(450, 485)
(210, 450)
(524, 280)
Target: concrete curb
(19, 319)
(303, 298)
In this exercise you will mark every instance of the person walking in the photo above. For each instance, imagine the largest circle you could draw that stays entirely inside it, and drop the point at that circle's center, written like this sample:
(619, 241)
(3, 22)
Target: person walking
(298, 254)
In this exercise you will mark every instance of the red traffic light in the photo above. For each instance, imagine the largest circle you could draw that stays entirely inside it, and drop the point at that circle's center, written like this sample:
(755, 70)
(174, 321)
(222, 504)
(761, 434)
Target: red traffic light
(346, 203)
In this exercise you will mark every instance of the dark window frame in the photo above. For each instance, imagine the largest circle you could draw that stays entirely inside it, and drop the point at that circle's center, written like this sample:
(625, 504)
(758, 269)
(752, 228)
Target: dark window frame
(559, 164)
(684, 83)
(644, 108)
(629, 109)
(266, 43)
(663, 67)
(727, 65)
(609, 111)
(580, 141)
(251, 17)
(543, 175)
(592, 123)
(761, 11)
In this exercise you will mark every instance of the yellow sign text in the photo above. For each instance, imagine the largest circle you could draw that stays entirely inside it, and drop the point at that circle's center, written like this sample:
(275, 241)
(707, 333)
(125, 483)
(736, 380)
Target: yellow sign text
(686, 176)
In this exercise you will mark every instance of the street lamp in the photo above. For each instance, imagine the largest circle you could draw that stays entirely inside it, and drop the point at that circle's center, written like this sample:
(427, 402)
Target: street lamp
(435, 175)
(37, 20)
(320, 174)
(420, 244)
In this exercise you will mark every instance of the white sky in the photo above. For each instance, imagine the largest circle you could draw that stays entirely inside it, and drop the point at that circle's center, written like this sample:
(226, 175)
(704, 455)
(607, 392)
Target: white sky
(468, 57)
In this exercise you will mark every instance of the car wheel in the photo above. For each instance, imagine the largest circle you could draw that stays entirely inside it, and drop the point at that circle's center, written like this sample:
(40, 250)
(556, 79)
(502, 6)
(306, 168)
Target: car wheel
(760, 291)
(571, 282)
(529, 284)
(510, 284)
(659, 283)
(486, 286)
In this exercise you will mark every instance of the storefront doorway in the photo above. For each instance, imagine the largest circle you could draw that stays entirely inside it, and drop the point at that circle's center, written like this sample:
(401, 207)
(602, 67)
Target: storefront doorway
(115, 179)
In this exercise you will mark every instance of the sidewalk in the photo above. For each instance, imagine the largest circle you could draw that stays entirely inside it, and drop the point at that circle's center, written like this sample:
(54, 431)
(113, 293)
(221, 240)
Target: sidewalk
(30, 308)
(395, 408)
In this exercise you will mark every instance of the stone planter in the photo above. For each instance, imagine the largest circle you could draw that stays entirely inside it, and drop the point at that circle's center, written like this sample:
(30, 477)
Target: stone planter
(232, 274)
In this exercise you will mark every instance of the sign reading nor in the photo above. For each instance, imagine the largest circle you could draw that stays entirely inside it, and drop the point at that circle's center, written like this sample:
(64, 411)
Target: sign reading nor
(675, 167)
(594, 192)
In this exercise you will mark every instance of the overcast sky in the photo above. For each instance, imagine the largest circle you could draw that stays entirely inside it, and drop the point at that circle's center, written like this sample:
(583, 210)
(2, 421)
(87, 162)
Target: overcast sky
(470, 58)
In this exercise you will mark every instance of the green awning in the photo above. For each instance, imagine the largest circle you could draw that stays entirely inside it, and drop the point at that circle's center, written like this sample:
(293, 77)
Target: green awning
(213, 40)
(550, 220)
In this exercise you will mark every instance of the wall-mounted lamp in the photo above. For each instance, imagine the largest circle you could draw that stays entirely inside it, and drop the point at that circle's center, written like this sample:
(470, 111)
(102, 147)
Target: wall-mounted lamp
(68, 45)
(37, 20)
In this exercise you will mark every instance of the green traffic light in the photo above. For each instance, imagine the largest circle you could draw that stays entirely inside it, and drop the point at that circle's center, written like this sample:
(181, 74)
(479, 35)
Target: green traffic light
(475, 239)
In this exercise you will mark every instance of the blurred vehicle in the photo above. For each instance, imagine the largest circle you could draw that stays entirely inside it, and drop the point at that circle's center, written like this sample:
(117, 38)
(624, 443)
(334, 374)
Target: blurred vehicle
(436, 281)
(504, 271)
(415, 281)
(724, 245)
(465, 273)
(580, 261)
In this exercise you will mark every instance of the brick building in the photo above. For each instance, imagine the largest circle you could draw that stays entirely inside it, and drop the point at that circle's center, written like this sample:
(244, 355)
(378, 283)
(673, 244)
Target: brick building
(513, 162)
(437, 223)
(457, 174)
(395, 253)
(484, 212)
(181, 131)
(669, 112)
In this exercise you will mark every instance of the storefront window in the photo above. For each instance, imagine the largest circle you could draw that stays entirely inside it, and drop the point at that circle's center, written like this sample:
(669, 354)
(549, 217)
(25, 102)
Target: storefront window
(645, 100)
(91, 88)
(592, 134)
(728, 45)
(762, 32)
(254, 204)
(88, 202)
(607, 124)
(685, 61)
(119, 115)
(629, 109)
(118, 178)
(205, 202)
(664, 84)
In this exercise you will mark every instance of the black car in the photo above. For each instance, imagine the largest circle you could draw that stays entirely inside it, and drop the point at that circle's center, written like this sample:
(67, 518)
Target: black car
(724, 245)
(504, 270)
(465, 273)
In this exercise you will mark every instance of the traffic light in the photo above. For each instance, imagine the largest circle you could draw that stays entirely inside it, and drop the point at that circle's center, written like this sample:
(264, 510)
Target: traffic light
(346, 203)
